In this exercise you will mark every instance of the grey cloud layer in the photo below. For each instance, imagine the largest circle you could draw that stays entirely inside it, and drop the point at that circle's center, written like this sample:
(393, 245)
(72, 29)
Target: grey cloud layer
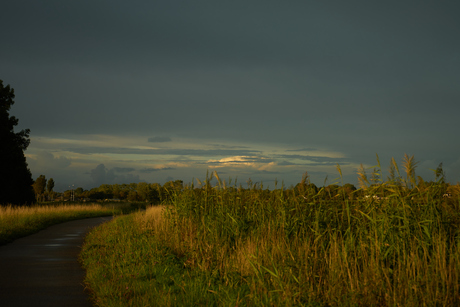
(152, 169)
(180, 152)
(48, 160)
(123, 169)
(316, 159)
(256, 159)
(102, 175)
(292, 72)
(303, 149)
(244, 156)
(206, 31)
(356, 77)
(159, 139)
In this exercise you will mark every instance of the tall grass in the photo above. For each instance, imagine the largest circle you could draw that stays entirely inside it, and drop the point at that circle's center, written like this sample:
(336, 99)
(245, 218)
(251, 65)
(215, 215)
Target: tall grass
(19, 221)
(291, 247)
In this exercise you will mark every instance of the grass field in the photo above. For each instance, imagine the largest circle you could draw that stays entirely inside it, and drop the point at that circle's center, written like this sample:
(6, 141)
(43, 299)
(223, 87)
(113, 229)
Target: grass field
(226, 246)
(20, 221)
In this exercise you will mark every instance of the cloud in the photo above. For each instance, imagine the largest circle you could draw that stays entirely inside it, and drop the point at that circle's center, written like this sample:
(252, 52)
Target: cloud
(59, 168)
(239, 160)
(102, 175)
(46, 160)
(316, 159)
(228, 146)
(286, 163)
(303, 149)
(99, 174)
(178, 152)
(159, 139)
(123, 169)
(152, 169)
(265, 172)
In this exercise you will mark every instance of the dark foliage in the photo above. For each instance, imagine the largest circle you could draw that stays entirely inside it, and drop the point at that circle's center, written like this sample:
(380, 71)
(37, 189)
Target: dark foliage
(15, 177)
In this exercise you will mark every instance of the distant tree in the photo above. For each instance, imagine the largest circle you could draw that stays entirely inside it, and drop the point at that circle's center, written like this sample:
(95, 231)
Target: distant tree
(50, 187)
(143, 190)
(106, 189)
(350, 187)
(116, 191)
(96, 195)
(123, 191)
(67, 194)
(176, 185)
(347, 190)
(15, 180)
(155, 186)
(39, 186)
(78, 191)
(157, 195)
(132, 196)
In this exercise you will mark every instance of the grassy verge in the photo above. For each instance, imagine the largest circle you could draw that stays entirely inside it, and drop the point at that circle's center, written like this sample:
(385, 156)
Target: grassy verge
(20, 221)
(128, 264)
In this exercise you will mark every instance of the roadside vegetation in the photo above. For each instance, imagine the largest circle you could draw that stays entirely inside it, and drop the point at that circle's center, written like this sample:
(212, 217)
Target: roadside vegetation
(20, 221)
(389, 243)
(132, 192)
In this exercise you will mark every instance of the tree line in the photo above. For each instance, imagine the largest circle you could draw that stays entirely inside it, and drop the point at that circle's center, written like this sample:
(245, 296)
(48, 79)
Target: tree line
(142, 191)
(157, 193)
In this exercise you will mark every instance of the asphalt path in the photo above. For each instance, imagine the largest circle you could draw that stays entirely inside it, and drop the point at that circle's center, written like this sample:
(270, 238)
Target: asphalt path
(43, 269)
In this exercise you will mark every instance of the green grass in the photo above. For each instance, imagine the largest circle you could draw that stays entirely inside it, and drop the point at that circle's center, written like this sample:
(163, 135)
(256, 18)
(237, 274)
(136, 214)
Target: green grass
(126, 267)
(227, 246)
(20, 221)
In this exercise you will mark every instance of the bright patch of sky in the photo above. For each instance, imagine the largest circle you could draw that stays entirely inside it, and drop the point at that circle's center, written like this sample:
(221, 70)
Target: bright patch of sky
(138, 159)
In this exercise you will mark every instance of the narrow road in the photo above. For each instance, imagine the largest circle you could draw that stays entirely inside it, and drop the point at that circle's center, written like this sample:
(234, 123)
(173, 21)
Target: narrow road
(43, 270)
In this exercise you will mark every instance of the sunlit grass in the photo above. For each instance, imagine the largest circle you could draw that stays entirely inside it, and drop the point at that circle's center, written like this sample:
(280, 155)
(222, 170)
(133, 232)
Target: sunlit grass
(127, 266)
(19, 221)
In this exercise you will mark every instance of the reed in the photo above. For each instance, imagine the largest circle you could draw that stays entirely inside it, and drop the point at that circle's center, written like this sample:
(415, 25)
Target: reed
(226, 246)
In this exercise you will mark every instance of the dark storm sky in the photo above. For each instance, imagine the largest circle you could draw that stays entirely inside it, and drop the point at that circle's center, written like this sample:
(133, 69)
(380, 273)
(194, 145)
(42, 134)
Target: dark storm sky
(161, 90)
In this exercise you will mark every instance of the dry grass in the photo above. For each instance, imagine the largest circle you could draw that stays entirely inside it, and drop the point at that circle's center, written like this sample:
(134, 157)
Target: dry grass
(330, 268)
(18, 221)
(152, 220)
(15, 212)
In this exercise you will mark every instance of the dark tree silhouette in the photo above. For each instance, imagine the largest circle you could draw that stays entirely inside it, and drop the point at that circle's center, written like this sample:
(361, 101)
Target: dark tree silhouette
(15, 177)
